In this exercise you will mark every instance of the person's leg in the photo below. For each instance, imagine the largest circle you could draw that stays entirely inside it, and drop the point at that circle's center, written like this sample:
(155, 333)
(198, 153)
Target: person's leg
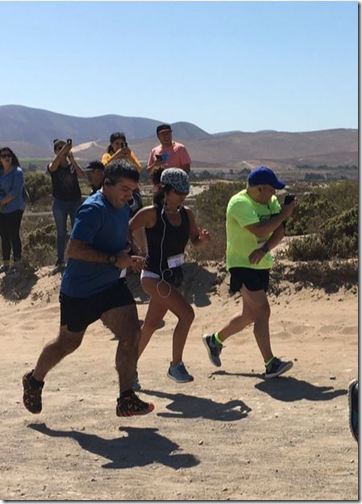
(72, 210)
(60, 213)
(33, 381)
(172, 300)
(259, 306)
(155, 313)
(237, 323)
(14, 226)
(5, 238)
(124, 324)
(66, 343)
(214, 342)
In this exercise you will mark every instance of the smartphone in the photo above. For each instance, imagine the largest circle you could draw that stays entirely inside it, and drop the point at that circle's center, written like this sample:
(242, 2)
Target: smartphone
(159, 157)
(69, 141)
(288, 198)
(124, 145)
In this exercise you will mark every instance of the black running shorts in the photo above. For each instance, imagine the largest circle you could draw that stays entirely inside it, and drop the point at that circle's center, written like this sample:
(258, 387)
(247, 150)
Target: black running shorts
(253, 279)
(78, 313)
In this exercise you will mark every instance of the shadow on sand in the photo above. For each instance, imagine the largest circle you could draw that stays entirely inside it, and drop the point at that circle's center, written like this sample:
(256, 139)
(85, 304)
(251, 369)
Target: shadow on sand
(290, 389)
(186, 406)
(137, 447)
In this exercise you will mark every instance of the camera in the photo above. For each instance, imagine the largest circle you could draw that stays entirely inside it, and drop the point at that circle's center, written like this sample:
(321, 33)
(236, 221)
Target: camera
(159, 157)
(69, 141)
(288, 198)
(124, 145)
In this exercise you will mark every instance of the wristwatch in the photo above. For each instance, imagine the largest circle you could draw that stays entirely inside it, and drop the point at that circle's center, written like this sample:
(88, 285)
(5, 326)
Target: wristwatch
(112, 259)
(265, 248)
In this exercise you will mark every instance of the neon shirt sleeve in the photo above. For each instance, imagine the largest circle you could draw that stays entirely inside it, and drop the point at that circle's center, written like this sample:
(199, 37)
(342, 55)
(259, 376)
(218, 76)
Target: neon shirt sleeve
(275, 206)
(243, 213)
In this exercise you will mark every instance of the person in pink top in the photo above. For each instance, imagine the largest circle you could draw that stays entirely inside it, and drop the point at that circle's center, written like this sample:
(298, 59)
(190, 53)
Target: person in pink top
(168, 154)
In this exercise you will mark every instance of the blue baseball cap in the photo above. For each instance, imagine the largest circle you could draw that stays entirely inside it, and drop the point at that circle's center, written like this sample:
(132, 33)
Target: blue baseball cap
(264, 175)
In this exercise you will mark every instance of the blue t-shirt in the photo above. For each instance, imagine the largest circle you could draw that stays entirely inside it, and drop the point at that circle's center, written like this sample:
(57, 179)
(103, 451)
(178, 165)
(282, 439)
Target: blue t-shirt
(105, 228)
(12, 183)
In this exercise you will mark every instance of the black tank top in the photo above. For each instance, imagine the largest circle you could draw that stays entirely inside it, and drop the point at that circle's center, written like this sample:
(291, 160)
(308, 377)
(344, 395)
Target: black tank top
(65, 185)
(174, 243)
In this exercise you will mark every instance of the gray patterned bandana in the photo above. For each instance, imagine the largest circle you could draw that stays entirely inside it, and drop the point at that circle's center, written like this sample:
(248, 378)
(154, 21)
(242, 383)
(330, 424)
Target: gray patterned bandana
(177, 179)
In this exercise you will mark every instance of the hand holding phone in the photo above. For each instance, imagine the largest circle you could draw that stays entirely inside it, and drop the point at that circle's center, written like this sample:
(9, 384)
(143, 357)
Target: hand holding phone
(69, 141)
(289, 198)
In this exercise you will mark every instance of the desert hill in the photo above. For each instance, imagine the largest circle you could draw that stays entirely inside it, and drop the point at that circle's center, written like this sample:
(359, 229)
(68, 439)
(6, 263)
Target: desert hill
(30, 132)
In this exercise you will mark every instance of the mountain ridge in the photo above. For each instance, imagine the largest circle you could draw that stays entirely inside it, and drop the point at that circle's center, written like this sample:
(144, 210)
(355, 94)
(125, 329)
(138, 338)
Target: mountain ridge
(30, 132)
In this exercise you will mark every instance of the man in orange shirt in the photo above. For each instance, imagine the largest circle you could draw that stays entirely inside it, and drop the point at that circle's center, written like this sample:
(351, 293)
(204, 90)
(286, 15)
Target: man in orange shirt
(168, 154)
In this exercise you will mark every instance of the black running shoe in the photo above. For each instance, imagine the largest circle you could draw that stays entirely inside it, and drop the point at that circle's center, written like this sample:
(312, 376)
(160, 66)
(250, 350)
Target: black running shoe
(32, 395)
(213, 349)
(129, 405)
(277, 367)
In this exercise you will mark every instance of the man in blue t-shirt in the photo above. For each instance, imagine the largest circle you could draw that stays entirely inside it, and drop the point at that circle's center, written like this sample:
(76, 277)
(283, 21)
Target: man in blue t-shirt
(93, 287)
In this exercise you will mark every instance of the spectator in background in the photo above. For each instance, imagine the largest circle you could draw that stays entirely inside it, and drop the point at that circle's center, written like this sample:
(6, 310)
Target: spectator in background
(67, 198)
(168, 154)
(118, 149)
(94, 173)
(12, 205)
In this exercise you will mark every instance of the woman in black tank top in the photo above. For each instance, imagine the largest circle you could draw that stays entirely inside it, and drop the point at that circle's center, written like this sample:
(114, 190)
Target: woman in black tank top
(168, 225)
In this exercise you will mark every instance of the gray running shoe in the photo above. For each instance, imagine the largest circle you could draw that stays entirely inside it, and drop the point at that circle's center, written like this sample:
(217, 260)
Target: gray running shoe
(277, 367)
(136, 383)
(179, 373)
(213, 349)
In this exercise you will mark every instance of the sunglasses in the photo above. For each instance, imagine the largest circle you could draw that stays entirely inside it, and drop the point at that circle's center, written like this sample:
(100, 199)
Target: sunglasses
(4, 156)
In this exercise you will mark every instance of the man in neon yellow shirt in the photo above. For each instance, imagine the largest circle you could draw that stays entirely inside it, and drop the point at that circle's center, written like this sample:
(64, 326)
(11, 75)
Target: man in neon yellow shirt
(254, 226)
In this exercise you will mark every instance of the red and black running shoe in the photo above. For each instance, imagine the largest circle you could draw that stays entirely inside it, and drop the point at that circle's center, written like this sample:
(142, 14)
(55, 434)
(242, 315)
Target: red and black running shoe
(32, 394)
(130, 405)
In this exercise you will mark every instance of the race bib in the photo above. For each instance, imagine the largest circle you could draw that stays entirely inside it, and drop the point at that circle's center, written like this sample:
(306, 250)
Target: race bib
(175, 261)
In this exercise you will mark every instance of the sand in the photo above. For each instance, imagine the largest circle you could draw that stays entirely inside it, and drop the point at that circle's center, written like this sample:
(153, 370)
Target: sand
(229, 435)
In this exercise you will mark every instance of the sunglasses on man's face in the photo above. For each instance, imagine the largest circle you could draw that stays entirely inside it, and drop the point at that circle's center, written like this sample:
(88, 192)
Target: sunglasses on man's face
(5, 156)
(180, 193)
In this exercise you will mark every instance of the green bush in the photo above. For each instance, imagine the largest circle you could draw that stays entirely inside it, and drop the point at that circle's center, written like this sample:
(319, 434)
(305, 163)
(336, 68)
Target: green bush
(38, 185)
(39, 246)
(338, 238)
(317, 207)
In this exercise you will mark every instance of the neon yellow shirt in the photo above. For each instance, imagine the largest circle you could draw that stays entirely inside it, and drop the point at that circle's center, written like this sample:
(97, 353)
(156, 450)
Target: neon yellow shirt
(243, 211)
(131, 157)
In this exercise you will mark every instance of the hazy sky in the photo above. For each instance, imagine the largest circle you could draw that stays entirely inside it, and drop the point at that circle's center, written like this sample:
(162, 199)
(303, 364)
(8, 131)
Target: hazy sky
(249, 66)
